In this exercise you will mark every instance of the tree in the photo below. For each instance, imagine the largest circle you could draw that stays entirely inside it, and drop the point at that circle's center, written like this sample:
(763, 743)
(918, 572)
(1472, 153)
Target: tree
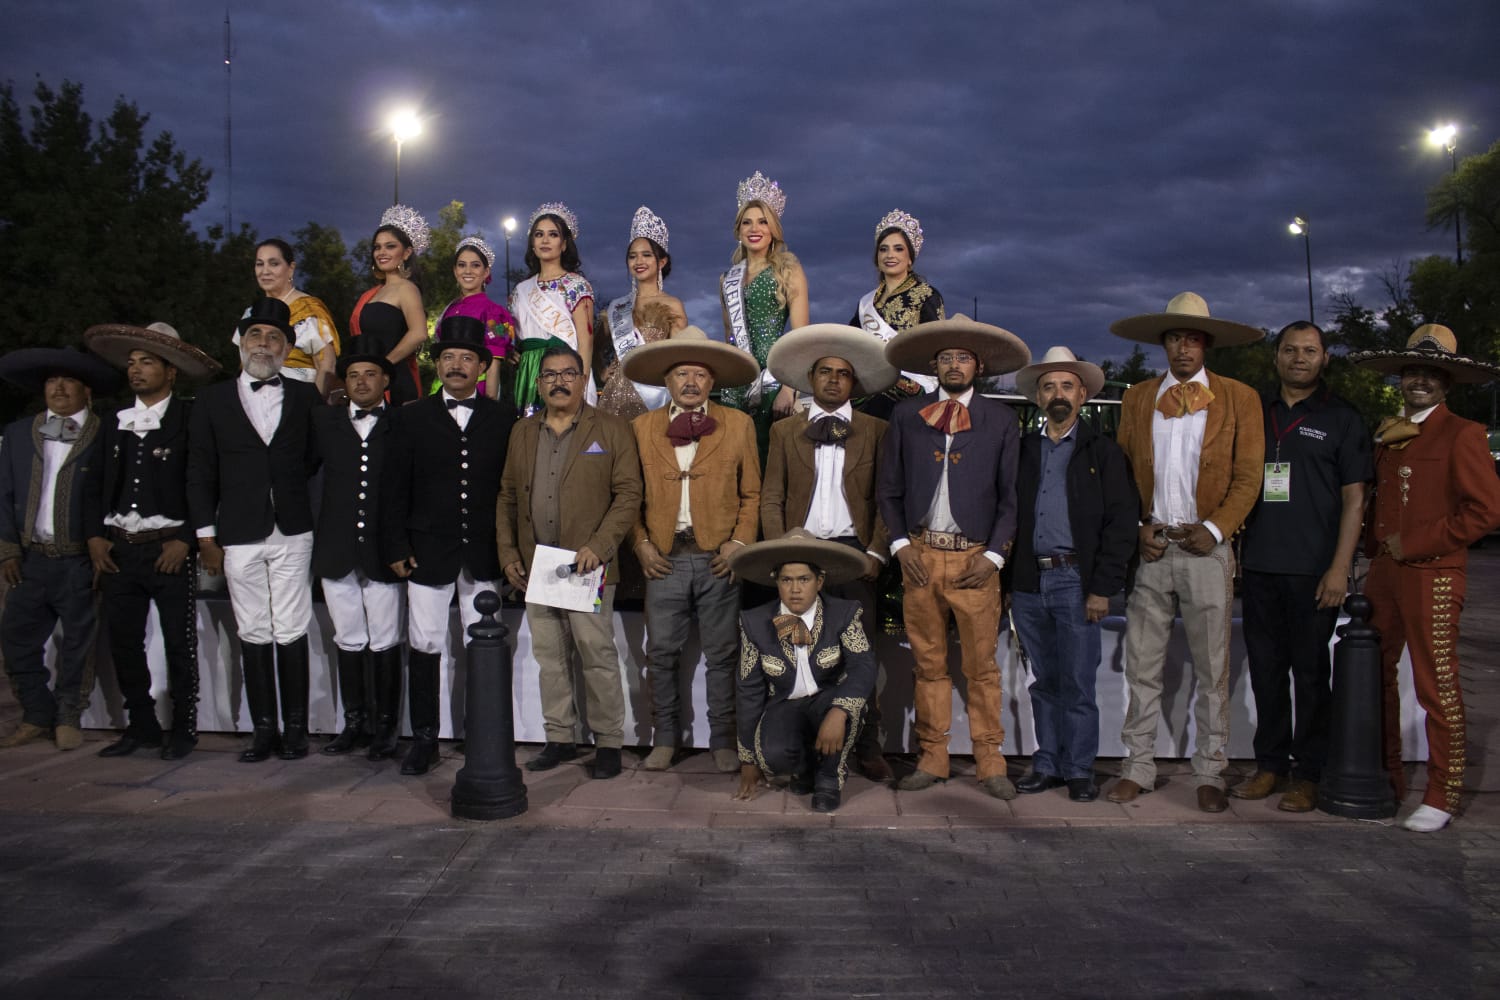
(1132, 371)
(324, 270)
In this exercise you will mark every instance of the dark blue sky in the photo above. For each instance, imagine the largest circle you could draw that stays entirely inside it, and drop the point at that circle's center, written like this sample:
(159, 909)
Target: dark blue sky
(1071, 163)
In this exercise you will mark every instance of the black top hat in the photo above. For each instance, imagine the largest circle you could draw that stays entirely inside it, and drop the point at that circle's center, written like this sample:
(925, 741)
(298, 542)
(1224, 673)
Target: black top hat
(358, 349)
(461, 331)
(268, 311)
(31, 367)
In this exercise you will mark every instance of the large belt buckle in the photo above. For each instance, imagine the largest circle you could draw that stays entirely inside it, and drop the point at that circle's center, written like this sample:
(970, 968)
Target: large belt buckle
(1177, 532)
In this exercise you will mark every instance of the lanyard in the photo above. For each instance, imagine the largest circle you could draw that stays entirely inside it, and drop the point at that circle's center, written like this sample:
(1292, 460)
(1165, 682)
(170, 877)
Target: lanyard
(1280, 434)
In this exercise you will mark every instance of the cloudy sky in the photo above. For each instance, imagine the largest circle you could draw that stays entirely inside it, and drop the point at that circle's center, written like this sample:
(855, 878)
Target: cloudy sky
(1071, 163)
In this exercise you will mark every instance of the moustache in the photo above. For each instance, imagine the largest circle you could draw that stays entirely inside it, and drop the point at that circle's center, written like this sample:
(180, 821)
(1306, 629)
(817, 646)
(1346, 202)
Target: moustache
(454, 373)
(1061, 406)
(560, 390)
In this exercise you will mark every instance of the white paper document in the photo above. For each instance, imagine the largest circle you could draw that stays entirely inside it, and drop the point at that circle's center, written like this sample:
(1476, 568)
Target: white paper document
(553, 582)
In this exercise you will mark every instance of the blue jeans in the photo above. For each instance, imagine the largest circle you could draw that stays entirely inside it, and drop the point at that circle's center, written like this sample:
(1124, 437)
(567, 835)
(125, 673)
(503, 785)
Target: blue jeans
(1064, 651)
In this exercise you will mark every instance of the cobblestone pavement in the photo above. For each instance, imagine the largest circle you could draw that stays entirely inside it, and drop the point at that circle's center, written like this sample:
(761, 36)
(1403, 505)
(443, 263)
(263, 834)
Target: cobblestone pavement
(176, 907)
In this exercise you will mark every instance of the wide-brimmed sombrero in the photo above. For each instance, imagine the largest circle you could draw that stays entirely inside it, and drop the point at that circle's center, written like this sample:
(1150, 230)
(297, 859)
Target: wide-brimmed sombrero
(1186, 311)
(796, 352)
(31, 367)
(758, 562)
(114, 341)
(1433, 346)
(1000, 351)
(1059, 359)
(649, 363)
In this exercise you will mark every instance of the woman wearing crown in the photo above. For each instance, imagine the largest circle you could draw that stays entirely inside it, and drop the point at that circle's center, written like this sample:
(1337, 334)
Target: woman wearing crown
(647, 314)
(391, 313)
(762, 288)
(473, 263)
(555, 304)
(900, 301)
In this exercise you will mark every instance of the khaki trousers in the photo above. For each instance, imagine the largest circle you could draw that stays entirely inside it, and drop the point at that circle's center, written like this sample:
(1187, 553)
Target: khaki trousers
(558, 640)
(1203, 588)
(977, 613)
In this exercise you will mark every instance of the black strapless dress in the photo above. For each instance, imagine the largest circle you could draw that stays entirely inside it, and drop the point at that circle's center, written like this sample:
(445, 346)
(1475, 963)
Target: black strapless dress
(383, 325)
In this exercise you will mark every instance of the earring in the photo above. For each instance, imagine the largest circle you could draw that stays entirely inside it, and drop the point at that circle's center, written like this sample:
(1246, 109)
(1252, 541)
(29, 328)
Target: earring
(658, 281)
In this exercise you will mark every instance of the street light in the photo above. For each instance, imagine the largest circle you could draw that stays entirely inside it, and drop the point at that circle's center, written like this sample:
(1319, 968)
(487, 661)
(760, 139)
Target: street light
(404, 125)
(1445, 137)
(509, 225)
(1298, 227)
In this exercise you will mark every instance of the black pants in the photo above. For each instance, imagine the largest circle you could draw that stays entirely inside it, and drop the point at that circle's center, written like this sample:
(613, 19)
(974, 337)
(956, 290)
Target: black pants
(785, 738)
(52, 589)
(128, 597)
(1286, 637)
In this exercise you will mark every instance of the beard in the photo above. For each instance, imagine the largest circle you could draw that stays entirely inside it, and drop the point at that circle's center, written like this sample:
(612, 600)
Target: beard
(258, 367)
(1059, 409)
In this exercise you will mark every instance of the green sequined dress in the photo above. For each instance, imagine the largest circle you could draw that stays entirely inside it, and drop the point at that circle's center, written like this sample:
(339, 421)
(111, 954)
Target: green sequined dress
(765, 320)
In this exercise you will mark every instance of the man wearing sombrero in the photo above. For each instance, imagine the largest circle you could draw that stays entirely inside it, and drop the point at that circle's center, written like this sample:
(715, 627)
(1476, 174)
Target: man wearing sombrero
(1195, 444)
(141, 538)
(701, 473)
(1436, 494)
(806, 668)
(49, 469)
(1075, 535)
(947, 492)
(820, 469)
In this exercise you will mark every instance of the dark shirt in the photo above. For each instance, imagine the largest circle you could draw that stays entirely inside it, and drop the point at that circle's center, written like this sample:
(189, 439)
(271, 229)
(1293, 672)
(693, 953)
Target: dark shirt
(546, 501)
(1328, 447)
(1053, 532)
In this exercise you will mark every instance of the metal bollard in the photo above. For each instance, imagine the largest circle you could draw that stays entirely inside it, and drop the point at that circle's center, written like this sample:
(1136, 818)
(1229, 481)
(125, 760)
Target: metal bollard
(1355, 784)
(489, 785)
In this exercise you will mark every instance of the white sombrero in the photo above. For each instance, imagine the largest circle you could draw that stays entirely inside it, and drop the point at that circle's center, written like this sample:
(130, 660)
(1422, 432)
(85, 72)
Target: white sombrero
(793, 356)
(1059, 359)
(1186, 311)
(649, 363)
(1000, 351)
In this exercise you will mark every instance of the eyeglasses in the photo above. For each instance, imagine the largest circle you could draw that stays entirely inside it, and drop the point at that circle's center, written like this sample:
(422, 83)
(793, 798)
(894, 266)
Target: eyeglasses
(567, 375)
(955, 358)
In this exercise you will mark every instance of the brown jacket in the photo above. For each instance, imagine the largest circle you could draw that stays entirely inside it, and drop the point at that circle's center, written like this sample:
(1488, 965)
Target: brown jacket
(1231, 463)
(600, 494)
(724, 488)
(791, 474)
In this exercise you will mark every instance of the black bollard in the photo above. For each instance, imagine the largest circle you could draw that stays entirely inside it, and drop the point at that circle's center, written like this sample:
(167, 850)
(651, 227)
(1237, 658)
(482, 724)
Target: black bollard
(1355, 783)
(489, 785)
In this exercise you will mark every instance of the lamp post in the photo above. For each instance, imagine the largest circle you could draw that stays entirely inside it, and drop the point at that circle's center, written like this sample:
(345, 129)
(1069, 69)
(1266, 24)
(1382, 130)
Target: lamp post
(1298, 227)
(404, 125)
(509, 225)
(1446, 138)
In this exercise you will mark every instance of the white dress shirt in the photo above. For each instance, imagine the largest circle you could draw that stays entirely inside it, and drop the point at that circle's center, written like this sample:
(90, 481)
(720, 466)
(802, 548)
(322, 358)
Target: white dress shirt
(685, 455)
(1177, 447)
(828, 512)
(460, 414)
(363, 425)
(54, 454)
(263, 407)
(805, 685)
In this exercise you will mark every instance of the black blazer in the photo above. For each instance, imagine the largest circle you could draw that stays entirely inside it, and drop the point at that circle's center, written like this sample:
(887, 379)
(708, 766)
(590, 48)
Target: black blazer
(439, 491)
(21, 486)
(163, 455)
(348, 532)
(1103, 512)
(981, 476)
(237, 483)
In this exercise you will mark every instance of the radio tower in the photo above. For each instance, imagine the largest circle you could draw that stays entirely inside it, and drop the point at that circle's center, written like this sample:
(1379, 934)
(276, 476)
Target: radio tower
(228, 134)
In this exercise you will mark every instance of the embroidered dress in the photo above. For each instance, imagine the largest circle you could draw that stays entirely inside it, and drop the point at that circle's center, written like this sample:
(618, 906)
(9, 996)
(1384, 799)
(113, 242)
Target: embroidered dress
(544, 313)
(619, 395)
(499, 326)
(314, 329)
(887, 314)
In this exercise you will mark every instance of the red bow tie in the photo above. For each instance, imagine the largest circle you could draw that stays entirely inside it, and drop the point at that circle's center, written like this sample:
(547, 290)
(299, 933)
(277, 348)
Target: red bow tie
(686, 428)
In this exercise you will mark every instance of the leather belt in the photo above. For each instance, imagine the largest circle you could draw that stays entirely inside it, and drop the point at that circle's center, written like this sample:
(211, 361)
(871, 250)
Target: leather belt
(52, 550)
(141, 537)
(1178, 532)
(1056, 561)
(947, 541)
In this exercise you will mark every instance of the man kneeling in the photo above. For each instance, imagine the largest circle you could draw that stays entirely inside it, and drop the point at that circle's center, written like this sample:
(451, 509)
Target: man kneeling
(806, 668)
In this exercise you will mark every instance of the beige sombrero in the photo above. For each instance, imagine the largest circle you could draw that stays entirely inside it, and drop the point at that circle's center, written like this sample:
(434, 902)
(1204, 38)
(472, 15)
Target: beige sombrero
(796, 352)
(1059, 359)
(649, 363)
(1000, 351)
(114, 341)
(1186, 311)
(1431, 345)
(757, 562)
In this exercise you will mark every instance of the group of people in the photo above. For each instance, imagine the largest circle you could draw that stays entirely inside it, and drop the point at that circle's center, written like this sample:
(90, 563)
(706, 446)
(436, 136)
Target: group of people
(784, 466)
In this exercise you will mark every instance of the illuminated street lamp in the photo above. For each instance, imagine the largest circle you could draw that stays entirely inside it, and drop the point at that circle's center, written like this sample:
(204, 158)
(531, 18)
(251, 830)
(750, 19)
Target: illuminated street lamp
(404, 125)
(509, 225)
(1445, 137)
(1298, 227)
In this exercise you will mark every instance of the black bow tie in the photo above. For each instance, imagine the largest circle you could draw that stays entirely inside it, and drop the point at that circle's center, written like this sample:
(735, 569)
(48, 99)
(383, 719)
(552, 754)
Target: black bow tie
(373, 411)
(829, 430)
(454, 404)
(256, 386)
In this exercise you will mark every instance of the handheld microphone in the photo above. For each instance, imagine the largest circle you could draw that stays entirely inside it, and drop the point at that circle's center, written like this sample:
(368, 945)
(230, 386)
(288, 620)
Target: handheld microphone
(563, 572)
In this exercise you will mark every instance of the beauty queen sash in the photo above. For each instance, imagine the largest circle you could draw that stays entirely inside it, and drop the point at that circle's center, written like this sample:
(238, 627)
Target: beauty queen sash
(732, 287)
(545, 316)
(626, 337)
(873, 322)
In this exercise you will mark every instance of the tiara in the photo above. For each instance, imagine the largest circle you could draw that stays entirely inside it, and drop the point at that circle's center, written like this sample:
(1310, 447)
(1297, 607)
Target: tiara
(558, 209)
(410, 222)
(907, 223)
(649, 225)
(759, 187)
(479, 246)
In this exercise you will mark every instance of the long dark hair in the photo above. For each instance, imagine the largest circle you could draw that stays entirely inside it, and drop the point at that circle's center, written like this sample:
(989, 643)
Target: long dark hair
(662, 257)
(411, 262)
(569, 261)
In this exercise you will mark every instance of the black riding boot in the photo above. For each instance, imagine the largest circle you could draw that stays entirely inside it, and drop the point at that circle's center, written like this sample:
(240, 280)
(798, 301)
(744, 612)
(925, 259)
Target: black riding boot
(259, 664)
(353, 693)
(387, 703)
(422, 701)
(291, 671)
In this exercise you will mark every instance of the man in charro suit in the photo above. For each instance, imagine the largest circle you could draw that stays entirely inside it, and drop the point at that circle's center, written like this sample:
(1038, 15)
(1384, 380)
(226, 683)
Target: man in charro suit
(140, 539)
(437, 521)
(821, 468)
(1195, 443)
(572, 480)
(1436, 494)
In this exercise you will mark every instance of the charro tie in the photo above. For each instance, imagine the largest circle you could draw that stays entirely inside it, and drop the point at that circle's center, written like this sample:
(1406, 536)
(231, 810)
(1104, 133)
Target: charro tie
(792, 629)
(828, 430)
(1396, 432)
(1184, 399)
(60, 429)
(947, 415)
(688, 427)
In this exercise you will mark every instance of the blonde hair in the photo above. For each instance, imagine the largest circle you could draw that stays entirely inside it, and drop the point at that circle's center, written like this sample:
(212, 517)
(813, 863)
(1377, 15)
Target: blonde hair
(779, 259)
